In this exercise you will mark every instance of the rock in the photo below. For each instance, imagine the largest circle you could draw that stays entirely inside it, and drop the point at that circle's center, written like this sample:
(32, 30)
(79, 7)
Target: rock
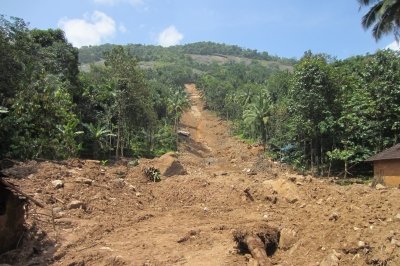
(57, 209)
(138, 194)
(395, 242)
(57, 183)
(169, 165)
(114, 260)
(330, 260)
(183, 133)
(284, 188)
(361, 244)
(287, 238)
(76, 204)
(380, 187)
(397, 217)
(272, 199)
(320, 201)
(84, 180)
(118, 183)
(334, 217)
(221, 173)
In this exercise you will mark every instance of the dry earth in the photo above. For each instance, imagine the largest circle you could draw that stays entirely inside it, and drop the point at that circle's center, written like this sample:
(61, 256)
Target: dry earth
(113, 215)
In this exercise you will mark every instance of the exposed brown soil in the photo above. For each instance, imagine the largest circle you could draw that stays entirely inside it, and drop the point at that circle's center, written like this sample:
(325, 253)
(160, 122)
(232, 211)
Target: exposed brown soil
(114, 215)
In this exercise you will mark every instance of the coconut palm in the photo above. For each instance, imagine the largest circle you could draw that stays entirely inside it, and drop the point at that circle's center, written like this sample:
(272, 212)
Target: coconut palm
(383, 17)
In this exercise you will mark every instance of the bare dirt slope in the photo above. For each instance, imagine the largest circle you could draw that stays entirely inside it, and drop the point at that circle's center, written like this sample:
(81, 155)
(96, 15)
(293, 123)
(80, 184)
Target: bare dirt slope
(113, 215)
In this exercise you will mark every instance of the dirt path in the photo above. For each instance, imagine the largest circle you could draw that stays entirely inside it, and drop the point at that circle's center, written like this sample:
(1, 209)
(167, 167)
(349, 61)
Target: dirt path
(189, 219)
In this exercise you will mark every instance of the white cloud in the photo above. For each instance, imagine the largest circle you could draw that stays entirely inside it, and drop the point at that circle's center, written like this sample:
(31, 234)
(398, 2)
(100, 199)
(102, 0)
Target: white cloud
(169, 36)
(91, 30)
(134, 3)
(393, 46)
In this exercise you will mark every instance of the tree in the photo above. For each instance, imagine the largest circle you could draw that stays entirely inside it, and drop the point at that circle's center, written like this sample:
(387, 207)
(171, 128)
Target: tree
(256, 116)
(133, 106)
(383, 17)
(311, 106)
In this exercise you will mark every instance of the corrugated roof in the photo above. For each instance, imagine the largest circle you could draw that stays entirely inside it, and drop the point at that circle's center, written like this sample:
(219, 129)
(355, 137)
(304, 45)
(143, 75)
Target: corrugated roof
(391, 153)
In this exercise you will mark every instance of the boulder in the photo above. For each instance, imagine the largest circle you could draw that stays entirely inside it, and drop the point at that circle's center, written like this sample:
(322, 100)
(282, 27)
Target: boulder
(288, 238)
(169, 165)
(283, 188)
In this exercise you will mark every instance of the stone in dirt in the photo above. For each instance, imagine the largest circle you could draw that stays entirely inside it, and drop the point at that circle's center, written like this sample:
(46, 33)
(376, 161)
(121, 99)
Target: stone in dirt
(169, 165)
(283, 188)
(380, 186)
(331, 260)
(119, 183)
(76, 204)
(395, 242)
(84, 180)
(57, 184)
(288, 238)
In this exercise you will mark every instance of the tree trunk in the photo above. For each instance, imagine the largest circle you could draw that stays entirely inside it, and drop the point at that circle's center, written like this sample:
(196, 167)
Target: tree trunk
(257, 250)
(311, 157)
(118, 141)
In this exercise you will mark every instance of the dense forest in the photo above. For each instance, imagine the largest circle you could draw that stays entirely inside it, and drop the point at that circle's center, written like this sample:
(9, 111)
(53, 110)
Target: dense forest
(50, 109)
(318, 114)
(157, 53)
(326, 115)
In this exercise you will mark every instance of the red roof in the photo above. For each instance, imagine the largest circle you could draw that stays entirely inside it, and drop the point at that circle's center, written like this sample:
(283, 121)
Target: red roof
(388, 154)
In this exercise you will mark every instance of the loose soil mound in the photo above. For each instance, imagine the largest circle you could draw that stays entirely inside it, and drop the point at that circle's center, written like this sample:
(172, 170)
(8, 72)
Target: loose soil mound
(114, 215)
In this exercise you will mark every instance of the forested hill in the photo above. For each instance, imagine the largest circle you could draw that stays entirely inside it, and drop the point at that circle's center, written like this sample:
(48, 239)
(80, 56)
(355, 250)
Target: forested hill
(318, 113)
(157, 53)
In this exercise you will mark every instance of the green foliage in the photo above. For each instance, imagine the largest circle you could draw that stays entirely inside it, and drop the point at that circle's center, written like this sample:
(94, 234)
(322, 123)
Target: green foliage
(383, 17)
(41, 121)
(35, 91)
(152, 173)
(148, 53)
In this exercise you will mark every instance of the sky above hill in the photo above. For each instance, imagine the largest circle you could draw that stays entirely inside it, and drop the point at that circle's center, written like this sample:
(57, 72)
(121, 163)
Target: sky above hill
(285, 28)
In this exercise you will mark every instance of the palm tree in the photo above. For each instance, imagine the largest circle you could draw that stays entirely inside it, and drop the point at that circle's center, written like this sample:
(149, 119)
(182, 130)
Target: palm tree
(256, 115)
(383, 17)
(97, 134)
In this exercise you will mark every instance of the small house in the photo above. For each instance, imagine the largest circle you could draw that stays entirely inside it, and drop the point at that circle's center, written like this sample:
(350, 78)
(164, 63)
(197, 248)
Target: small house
(387, 166)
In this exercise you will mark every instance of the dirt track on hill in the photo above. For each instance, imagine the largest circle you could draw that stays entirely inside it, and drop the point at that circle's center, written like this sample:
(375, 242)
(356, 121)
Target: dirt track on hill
(124, 219)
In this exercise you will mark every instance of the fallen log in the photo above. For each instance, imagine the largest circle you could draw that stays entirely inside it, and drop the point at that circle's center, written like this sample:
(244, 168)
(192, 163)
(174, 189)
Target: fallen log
(256, 248)
(260, 242)
(18, 191)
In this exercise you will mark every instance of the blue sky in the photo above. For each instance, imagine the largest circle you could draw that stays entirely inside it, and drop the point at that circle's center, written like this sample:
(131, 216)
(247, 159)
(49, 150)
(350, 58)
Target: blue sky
(284, 28)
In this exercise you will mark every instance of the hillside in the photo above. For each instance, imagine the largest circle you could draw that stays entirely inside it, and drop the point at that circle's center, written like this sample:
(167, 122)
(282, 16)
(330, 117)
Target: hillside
(195, 53)
(115, 215)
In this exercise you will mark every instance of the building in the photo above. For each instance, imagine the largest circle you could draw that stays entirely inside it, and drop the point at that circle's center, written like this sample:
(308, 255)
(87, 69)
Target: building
(387, 166)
